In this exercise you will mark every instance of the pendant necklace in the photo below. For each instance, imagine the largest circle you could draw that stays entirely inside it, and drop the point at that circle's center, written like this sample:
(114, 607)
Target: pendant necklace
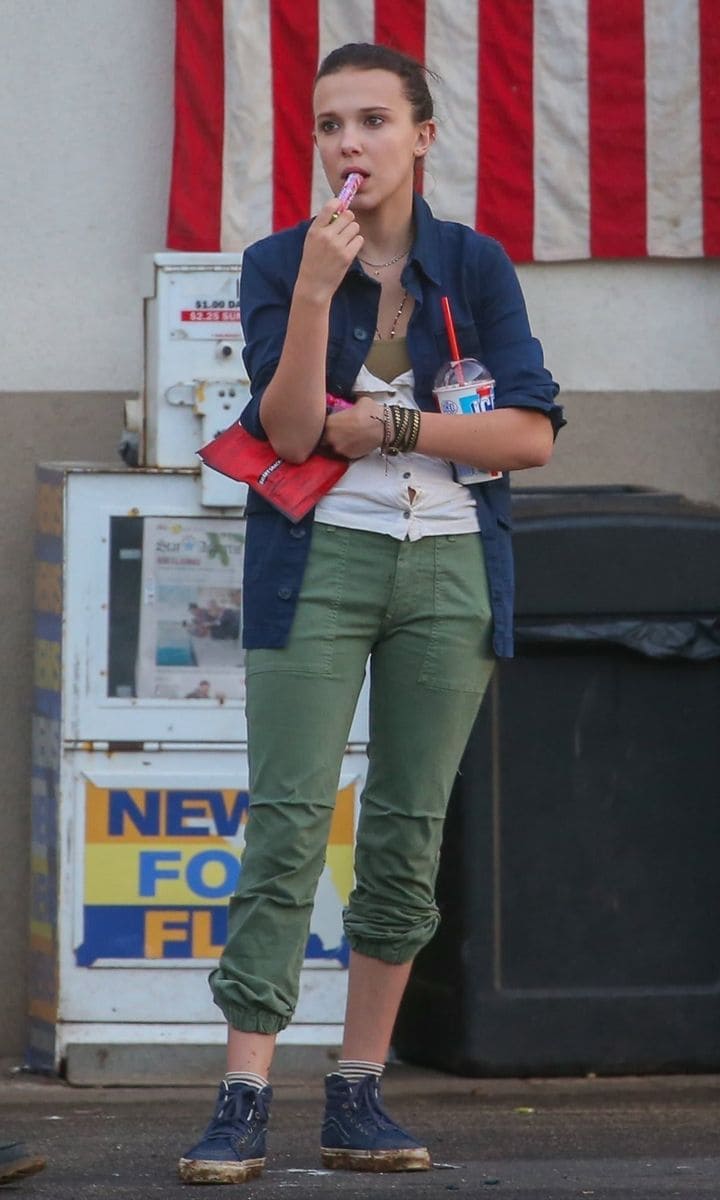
(378, 267)
(393, 327)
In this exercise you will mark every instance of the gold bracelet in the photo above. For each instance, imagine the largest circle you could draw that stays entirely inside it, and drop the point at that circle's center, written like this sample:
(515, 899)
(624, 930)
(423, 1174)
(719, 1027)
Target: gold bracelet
(400, 422)
(414, 431)
(392, 429)
(406, 429)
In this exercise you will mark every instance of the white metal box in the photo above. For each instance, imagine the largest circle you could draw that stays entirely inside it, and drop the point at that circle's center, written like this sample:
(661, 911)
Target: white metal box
(133, 649)
(139, 773)
(148, 850)
(195, 381)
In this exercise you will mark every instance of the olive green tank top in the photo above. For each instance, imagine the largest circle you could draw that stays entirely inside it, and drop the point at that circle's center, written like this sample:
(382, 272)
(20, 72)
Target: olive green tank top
(388, 359)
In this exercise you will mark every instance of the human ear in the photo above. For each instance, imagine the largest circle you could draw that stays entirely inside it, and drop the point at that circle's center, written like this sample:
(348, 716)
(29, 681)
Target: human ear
(424, 138)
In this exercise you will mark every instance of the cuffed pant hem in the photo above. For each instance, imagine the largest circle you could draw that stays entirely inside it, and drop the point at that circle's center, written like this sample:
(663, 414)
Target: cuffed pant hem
(387, 952)
(248, 1020)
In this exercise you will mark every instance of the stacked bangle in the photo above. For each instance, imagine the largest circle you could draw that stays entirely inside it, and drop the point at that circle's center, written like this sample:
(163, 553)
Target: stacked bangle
(402, 429)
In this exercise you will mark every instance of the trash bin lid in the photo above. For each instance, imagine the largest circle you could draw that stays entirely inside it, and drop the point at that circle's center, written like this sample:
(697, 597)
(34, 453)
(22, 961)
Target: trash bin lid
(614, 550)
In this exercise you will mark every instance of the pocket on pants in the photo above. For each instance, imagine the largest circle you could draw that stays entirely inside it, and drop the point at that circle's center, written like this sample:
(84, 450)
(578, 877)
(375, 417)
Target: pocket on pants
(459, 655)
(310, 649)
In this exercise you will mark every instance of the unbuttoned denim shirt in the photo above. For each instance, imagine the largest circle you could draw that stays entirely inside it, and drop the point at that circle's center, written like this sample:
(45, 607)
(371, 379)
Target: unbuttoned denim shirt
(491, 324)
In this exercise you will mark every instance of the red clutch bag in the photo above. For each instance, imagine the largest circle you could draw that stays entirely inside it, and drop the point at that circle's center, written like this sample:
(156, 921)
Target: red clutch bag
(293, 488)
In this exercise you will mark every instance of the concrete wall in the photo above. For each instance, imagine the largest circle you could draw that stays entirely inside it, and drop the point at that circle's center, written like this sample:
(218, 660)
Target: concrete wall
(36, 427)
(85, 144)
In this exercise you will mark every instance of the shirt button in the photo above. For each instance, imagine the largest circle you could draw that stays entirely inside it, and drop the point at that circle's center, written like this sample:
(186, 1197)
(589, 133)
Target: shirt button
(297, 532)
(360, 334)
(407, 514)
(284, 593)
(406, 474)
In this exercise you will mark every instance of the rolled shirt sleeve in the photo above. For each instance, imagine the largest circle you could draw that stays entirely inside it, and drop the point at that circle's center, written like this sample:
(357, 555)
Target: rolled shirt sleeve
(509, 351)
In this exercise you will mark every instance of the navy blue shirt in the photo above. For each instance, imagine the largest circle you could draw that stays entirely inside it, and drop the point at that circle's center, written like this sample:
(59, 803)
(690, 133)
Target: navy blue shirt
(492, 325)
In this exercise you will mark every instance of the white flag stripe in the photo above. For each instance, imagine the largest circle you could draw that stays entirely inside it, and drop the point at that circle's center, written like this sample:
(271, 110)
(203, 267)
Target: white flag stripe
(672, 76)
(339, 22)
(562, 171)
(247, 188)
(561, 125)
(451, 49)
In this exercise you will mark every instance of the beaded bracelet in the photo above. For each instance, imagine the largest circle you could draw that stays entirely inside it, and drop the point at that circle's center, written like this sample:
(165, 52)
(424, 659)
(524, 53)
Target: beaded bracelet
(388, 428)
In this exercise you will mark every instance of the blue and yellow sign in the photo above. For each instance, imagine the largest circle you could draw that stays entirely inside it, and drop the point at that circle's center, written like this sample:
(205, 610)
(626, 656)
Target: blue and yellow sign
(161, 863)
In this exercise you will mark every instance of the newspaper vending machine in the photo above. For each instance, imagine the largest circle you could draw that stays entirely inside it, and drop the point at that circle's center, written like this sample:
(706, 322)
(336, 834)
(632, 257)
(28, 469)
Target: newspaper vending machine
(139, 773)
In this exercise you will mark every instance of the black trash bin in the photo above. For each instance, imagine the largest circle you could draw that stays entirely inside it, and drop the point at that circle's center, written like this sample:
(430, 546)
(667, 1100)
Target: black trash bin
(579, 882)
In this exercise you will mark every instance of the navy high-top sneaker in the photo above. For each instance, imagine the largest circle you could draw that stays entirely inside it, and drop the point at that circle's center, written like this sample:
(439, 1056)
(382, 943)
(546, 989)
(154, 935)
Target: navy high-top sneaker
(16, 1162)
(232, 1148)
(358, 1135)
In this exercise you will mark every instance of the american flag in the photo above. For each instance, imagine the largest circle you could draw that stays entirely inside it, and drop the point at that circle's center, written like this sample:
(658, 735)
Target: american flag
(567, 129)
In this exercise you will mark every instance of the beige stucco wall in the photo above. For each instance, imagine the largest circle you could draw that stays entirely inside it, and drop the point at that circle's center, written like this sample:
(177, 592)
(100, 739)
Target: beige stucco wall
(654, 439)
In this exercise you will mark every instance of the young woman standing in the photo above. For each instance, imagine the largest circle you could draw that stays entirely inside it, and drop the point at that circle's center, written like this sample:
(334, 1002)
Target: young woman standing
(399, 563)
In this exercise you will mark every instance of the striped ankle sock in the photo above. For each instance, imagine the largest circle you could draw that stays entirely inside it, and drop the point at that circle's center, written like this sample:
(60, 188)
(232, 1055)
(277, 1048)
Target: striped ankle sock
(246, 1077)
(355, 1069)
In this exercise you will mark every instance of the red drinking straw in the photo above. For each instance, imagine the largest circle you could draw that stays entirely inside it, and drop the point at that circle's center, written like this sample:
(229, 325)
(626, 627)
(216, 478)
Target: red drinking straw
(452, 338)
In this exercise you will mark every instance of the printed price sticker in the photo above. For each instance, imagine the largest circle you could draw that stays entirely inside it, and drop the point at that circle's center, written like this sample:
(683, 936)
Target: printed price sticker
(210, 314)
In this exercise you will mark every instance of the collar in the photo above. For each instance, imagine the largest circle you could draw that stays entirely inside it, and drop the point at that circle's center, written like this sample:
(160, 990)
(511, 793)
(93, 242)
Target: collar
(425, 250)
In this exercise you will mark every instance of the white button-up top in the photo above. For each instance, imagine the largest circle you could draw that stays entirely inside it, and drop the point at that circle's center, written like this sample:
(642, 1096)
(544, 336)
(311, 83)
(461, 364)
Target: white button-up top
(374, 493)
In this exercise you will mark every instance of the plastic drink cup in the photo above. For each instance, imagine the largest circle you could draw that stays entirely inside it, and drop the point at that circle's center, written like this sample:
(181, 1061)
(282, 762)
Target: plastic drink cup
(464, 387)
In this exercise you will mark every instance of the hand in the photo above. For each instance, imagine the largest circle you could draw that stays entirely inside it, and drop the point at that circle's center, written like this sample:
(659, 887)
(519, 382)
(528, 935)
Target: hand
(355, 432)
(330, 247)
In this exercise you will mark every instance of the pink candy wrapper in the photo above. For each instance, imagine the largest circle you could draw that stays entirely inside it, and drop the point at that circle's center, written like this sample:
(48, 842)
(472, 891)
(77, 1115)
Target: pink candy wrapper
(348, 190)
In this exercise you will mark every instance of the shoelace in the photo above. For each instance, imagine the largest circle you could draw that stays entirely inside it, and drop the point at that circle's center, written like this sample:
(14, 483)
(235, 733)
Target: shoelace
(368, 1093)
(233, 1112)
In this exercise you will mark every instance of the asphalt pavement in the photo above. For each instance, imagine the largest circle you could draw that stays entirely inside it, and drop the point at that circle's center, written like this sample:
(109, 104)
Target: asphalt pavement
(535, 1139)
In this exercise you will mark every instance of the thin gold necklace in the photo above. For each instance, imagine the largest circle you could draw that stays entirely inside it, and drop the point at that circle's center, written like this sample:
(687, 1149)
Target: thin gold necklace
(393, 327)
(378, 267)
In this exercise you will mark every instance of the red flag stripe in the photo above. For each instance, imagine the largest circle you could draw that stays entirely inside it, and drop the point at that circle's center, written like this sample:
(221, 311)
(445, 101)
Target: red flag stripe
(196, 186)
(505, 124)
(616, 61)
(401, 26)
(710, 120)
(266, 182)
(294, 42)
